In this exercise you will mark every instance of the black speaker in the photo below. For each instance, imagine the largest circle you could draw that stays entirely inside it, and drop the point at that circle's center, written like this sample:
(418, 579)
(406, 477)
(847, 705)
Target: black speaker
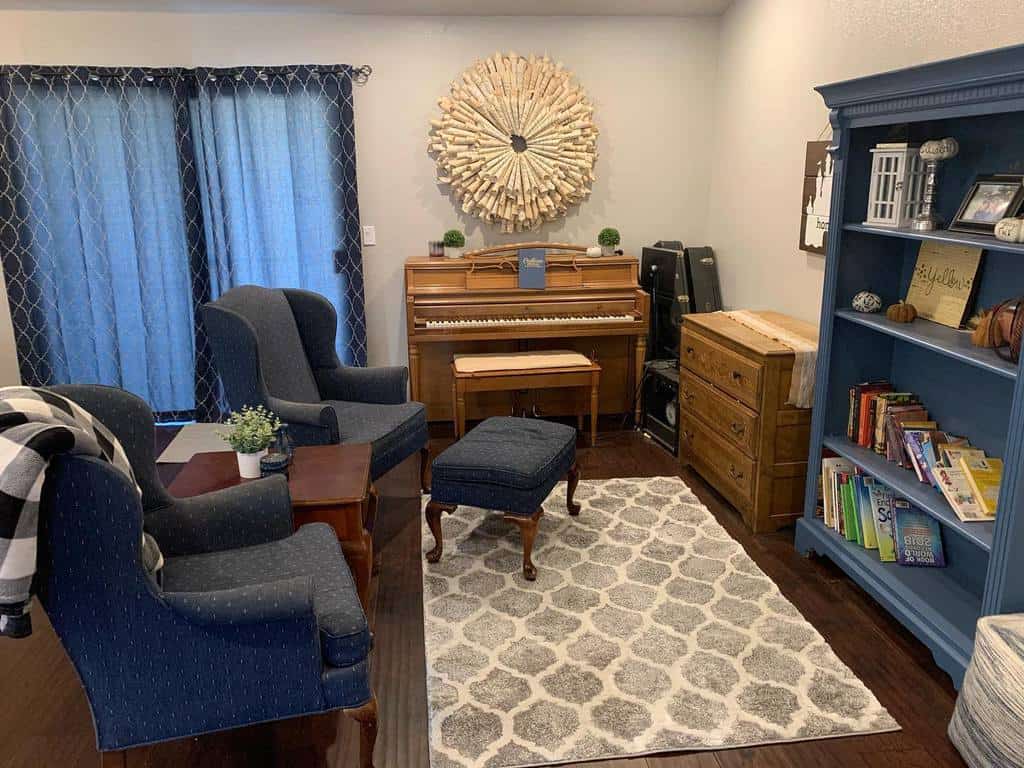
(659, 413)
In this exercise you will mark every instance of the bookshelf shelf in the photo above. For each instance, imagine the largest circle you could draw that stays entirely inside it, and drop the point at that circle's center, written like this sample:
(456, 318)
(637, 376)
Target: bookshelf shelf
(940, 236)
(938, 338)
(906, 484)
(908, 593)
(967, 390)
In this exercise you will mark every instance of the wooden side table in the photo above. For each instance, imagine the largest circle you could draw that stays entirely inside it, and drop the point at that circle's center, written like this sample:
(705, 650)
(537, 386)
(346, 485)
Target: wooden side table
(328, 484)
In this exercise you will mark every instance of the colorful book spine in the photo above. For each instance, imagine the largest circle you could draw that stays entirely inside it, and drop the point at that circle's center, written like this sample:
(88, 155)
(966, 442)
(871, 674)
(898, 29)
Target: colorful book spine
(958, 492)
(918, 538)
(881, 510)
(849, 510)
(862, 490)
(985, 477)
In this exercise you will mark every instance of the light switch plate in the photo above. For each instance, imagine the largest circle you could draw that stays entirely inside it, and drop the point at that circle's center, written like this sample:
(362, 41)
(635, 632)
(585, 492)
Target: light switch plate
(369, 235)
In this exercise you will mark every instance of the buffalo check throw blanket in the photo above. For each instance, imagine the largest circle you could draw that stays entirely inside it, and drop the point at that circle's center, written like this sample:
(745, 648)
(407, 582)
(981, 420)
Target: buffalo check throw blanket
(35, 425)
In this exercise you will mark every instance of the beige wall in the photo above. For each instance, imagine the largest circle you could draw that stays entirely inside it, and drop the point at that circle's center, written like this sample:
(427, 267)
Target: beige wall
(703, 121)
(651, 81)
(771, 54)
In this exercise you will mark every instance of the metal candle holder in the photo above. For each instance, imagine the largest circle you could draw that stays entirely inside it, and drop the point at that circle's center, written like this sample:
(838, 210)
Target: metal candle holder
(932, 152)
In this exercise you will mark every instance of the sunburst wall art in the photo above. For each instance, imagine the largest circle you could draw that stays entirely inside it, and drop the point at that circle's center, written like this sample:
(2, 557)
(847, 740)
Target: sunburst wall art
(516, 141)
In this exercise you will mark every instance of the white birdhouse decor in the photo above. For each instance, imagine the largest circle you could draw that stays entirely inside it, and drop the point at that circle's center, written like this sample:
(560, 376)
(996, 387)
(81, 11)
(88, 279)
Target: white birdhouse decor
(516, 141)
(897, 185)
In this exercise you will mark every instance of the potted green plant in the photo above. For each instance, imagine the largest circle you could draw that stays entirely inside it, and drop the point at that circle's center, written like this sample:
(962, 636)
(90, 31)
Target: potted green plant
(454, 243)
(250, 432)
(608, 238)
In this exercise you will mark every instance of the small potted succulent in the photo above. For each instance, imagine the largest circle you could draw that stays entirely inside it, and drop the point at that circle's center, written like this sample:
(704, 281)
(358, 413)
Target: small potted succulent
(454, 243)
(608, 239)
(250, 432)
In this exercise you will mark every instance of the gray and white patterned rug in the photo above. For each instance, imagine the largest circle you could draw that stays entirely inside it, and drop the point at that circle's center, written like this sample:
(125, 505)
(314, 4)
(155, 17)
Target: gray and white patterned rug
(648, 629)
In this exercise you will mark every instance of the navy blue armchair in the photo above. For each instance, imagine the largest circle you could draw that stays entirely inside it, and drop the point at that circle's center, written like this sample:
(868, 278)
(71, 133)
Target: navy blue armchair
(248, 622)
(275, 347)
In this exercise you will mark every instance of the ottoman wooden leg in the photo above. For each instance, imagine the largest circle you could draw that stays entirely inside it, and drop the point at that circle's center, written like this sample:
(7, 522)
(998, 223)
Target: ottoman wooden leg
(528, 529)
(425, 469)
(433, 514)
(570, 489)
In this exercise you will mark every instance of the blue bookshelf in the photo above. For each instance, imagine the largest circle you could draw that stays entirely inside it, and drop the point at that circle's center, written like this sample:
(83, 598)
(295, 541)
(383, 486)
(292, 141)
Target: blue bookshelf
(979, 100)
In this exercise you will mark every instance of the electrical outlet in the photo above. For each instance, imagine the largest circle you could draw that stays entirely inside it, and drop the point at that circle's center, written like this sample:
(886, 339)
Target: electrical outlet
(369, 235)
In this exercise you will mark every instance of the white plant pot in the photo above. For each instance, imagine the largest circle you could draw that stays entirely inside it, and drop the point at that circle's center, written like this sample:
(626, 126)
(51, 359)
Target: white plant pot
(451, 252)
(607, 250)
(249, 463)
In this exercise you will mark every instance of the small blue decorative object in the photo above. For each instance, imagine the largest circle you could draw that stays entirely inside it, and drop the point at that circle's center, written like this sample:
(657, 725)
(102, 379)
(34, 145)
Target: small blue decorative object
(866, 301)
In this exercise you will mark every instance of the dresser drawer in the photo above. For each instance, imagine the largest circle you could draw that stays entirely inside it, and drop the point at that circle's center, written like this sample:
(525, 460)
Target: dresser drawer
(728, 371)
(735, 422)
(714, 455)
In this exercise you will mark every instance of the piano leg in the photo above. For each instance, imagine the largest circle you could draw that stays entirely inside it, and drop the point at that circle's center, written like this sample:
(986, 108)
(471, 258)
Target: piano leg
(414, 372)
(595, 378)
(640, 350)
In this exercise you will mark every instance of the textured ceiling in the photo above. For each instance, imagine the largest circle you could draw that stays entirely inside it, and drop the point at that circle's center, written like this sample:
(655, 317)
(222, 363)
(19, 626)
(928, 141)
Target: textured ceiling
(395, 7)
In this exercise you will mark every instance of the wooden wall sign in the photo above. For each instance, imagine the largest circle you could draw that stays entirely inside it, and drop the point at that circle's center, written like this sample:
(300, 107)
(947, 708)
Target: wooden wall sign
(817, 197)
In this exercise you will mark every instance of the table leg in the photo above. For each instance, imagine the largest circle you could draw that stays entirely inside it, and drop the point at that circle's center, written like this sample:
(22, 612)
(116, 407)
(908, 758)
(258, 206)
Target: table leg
(460, 410)
(359, 556)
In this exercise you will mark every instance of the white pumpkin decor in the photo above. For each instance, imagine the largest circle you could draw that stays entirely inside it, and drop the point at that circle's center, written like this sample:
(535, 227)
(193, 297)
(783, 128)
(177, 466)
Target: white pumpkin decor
(1010, 230)
(516, 141)
(867, 302)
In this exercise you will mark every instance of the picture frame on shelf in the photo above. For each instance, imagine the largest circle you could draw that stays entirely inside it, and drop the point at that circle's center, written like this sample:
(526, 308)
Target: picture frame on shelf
(990, 199)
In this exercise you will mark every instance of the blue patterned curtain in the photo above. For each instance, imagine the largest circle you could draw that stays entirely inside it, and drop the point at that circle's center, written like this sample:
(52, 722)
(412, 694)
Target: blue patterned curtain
(129, 197)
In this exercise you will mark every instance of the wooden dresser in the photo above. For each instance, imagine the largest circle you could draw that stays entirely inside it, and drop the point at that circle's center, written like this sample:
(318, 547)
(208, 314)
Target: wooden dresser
(735, 427)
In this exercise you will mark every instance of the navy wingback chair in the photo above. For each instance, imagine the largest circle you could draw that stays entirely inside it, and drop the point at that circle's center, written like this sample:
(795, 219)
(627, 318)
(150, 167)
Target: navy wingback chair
(249, 622)
(275, 347)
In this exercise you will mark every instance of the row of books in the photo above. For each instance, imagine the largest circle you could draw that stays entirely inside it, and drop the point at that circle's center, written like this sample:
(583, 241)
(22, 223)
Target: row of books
(862, 510)
(897, 425)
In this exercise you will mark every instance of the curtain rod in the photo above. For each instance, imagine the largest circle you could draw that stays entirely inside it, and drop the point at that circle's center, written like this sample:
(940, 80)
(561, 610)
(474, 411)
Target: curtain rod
(360, 73)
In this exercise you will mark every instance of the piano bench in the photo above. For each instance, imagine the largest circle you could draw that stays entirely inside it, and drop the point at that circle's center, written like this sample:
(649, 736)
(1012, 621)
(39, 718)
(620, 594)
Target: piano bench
(512, 371)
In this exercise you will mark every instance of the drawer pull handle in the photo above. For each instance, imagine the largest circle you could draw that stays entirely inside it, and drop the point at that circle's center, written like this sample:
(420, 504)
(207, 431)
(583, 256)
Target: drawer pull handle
(737, 429)
(737, 376)
(689, 350)
(688, 396)
(687, 435)
(734, 474)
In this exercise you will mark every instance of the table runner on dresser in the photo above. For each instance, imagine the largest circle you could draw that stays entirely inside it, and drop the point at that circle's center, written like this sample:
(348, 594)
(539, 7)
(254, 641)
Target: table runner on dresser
(805, 354)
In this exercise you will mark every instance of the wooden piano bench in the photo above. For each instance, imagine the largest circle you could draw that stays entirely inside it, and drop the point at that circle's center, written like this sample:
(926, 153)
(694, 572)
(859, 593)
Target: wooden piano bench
(524, 370)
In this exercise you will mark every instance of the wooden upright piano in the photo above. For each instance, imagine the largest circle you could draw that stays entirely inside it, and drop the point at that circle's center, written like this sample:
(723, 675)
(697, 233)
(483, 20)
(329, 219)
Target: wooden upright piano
(592, 305)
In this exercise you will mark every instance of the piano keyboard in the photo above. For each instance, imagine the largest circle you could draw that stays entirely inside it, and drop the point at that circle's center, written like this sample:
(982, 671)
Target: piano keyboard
(487, 322)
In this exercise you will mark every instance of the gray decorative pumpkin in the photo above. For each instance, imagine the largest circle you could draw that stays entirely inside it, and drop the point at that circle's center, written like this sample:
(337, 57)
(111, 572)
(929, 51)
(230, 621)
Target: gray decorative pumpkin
(867, 302)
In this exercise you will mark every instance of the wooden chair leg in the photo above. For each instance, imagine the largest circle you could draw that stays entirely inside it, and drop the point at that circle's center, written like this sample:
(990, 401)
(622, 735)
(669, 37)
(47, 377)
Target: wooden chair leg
(433, 515)
(366, 716)
(570, 489)
(425, 469)
(528, 530)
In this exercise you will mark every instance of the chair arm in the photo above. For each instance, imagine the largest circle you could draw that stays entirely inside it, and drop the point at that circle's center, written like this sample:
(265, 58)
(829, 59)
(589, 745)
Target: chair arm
(316, 418)
(255, 512)
(386, 385)
(284, 600)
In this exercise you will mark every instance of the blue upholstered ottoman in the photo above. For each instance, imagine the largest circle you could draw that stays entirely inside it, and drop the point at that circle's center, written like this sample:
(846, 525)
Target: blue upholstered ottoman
(507, 465)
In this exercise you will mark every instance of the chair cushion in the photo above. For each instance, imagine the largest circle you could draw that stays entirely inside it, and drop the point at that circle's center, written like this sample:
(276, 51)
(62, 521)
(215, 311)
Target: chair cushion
(312, 551)
(505, 463)
(507, 451)
(394, 431)
(520, 361)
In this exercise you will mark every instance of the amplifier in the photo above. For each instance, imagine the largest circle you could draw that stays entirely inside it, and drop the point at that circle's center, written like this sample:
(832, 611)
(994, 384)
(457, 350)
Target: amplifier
(659, 414)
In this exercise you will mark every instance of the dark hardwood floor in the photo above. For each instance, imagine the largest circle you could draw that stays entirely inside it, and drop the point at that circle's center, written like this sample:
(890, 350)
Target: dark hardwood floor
(45, 718)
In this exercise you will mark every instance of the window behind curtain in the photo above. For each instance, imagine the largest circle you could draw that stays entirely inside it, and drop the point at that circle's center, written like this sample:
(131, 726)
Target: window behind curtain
(271, 169)
(130, 197)
(93, 236)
